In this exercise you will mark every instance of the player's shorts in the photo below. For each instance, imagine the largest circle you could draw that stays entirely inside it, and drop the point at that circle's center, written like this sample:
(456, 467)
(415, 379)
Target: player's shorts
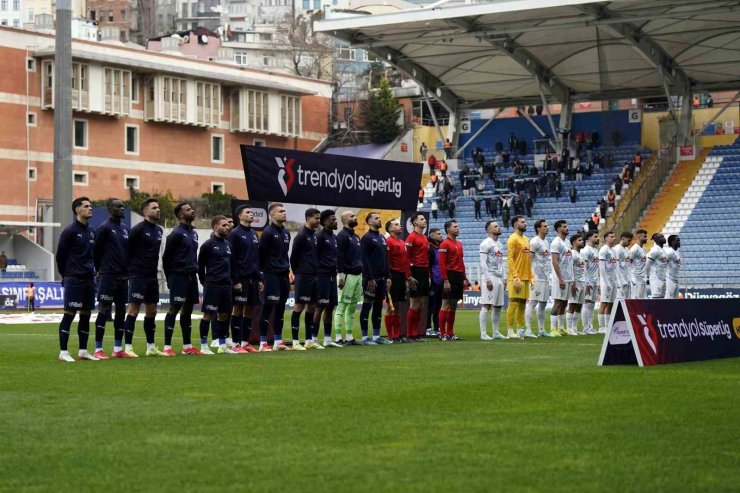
(541, 291)
(216, 299)
(590, 297)
(183, 289)
(352, 290)
(493, 296)
(580, 297)
(277, 287)
(657, 288)
(327, 289)
(638, 291)
(143, 290)
(456, 286)
(248, 295)
(113, 289)
(421, 274)
(306, 290)
(521, 294)
(560, 294)
(79, 294)
(671, 289)
(398, 287)
(608, 293)
(377, 294)
(624, 292)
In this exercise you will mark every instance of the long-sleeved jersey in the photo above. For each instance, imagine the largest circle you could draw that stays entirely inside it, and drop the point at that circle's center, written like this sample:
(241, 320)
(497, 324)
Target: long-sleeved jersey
(608, 266)
(638, 259)
(451, 257)
(398, 258)
(518, 258)
(374, 255)
(245, 260)
(417, 247)
(541, 264)
(591, 256)
(565, 259)
(144, 242)
(656, 264)
(349, 257)
(303, 255)
(110, 253)
(326, 252)
(273, 249)
(491, 260)
(75, 251)
(181, 251)
(436, 274)
(214, 262)
(673, 259)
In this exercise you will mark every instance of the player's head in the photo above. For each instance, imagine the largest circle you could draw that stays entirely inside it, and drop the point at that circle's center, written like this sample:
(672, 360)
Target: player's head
(184, 212)
(625, 238)
(328, 219)
(349, 219)
(674, 242)
(541, 227)
(150, 209)
(245, 214)
(393, 227)
(435, 235)
(609, 238)
(82, 208)
(561, 227)
(418, 220)
(220, 226)
(519, 223)
(493, 229)
(373, 220)
(116, 209)
(658, 239)
(576, 241)
(452, 228)
(641, 235)
(313, 218)
(230, 221)
(277, 213)
(592, 237)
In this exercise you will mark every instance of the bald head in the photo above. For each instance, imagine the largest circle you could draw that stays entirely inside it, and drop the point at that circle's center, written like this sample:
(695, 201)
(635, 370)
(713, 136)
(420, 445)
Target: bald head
(349, 219)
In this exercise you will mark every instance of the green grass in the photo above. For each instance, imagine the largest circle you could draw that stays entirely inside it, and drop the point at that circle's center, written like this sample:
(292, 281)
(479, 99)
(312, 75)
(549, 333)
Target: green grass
(535, 415)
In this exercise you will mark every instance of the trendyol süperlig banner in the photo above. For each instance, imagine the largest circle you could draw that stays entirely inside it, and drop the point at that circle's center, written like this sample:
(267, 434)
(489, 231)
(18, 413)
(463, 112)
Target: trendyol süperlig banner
(656, 332)
(284, 175)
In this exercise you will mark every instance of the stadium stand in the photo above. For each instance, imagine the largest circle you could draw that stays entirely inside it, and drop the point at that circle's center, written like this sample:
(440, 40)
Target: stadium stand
(704, 218)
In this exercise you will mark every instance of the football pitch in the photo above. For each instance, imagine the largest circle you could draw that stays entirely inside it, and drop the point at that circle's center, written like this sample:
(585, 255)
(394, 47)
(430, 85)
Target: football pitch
(534, 415)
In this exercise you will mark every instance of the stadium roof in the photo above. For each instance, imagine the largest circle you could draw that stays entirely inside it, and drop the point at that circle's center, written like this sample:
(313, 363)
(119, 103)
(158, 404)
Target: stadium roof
(501, 53)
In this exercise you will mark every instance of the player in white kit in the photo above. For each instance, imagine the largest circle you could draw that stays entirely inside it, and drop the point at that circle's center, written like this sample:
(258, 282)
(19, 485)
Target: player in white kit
(562, 277)
(623, 266)
(590, 256)
(540, 290)
(492, 281)
(608, 266)
(578, 293)
(656, 266)
(638, 258)
(674, 266)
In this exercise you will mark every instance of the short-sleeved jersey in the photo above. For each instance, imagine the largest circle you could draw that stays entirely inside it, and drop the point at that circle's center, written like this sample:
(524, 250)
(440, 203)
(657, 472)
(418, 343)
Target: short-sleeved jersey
(491, 259)
(623, 266)
(518, 257)
(638, 258)
(591, 257)
(658, 262)
(579, 267)
(565, 259)
(417, 247)
(674, 264)
(608, 259)
(541, 263)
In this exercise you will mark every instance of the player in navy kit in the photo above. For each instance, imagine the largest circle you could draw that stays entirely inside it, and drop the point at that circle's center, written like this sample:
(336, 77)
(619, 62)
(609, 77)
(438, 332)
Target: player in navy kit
(180, 264)
(303, 265)
(74, 259)
(245, 276)
(375, 279)
(326, 280)
(273, 253)
(214, 271)
(143, 258)
(110, 256)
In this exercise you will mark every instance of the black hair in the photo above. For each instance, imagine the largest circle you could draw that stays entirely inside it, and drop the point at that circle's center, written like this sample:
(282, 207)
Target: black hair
(640, 232)
(515, 220)
(607, 233)
(538, 223)
(558, 223)
(672, 240)
(217, 219)
(148, 201)
(240, 208)
(575, 237)
(273, 206)
(591, 233)
(655, 236)
(369, 215)
(488, 223)
(110, 203)
(311, 212)
(626, 234)
(414, 216)
(326, 214)
(448, 224)
(179, 207)
(432, 231)
(78, 202)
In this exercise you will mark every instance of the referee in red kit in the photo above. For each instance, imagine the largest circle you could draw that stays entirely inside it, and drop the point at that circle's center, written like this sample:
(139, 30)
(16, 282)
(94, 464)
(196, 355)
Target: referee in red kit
(453, 274)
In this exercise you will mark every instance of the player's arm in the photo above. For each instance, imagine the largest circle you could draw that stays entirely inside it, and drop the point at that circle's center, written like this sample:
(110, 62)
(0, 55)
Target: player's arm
(649, 264)
(99, 246)
(443, 266)
(170, 250)
(296, 255)
(365, 255)
(63, 251)
(555, 259)
(133, 242)
(462, 260)
(202, 261)
(602, 270)
(483, 266)
(264, 247)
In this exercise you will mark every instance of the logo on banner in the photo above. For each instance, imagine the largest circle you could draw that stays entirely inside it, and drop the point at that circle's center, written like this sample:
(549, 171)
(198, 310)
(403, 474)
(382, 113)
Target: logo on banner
(620, 333)
(647, 332)
(736, 326)
(286, 168)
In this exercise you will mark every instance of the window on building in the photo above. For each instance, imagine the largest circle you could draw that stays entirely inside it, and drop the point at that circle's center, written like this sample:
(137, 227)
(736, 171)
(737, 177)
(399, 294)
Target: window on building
(132, 139)
(194, 9)
(130, 181)
(290, 115)
(317, 4)
(92, 15)
(117, 86)
(16, 23)
(257, 109)
(29, 17)
(30, 64)
(134, 88)
(217, 148)
(217, 187)
(31, 119)
(110, 16)
(80, 134)
(4, 7)
(16, 5)
(240, 57)
(306, 4)
(265, 36)
(122, 17)
(267, 61)
(32, 174)
(259, 142)
(184, 10)
(4, 22)
(80, 178)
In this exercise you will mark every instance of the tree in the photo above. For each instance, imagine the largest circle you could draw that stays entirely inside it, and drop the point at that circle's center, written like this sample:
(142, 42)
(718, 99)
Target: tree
(166, 205)
(381, 114)
(310, 53)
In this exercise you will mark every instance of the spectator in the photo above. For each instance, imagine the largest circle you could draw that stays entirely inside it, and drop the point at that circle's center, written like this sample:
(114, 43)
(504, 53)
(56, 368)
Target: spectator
(499, 146)
(476, 204)
(432, 161)
(591, 224)
(710, 101)
(421, 195)
(505, 156)
(626, 178)
(443, 168)
(611, 199)
(448, 148)
(479, 159)
(3, 260)
(522, 147)
(476, 287)
(423, 151)
(506, 215)
(602, 207)
(529, 205)
(512, 142)
(573, 194)
(451, 207)
(558, 189)
(435, 207)
(579, 172)
(638, 159)
(434, 180)
(618, 185)
(596, 219)
(30, 297)
(595, 139)
(538, 109)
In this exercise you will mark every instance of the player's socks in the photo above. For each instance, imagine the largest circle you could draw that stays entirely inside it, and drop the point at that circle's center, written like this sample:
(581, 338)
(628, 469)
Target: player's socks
(364, 315)
(397, 325)
(214, 330)
(295, 325)
(412, 322)
(510, 315)
(554, 323)
(149, 329)
(584, 317)
(83, 329)
(339, 320)
(483, 321)
(569, 321)
(451, 323)
(495, 321)
(376, 317)
(100, 321)
(236, 329)
(520, 314)
(541, 317)
(561, 322)
(349, 316)
(169, 328)
(246, 329)
(443, 323)
(602, 321)
(204, 326)
(308, 322)
(186, 326)
(64, 327)
(528, 313)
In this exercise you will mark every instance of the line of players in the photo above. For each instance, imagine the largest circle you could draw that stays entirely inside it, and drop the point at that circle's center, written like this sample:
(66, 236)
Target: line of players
(237, 268)
(573, 270)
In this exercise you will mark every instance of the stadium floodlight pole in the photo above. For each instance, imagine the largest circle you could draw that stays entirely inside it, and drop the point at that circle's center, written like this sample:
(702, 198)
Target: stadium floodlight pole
(62, 117)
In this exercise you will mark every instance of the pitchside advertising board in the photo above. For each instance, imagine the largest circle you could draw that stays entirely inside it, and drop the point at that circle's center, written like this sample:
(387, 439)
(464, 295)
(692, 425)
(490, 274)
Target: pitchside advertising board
(656, 332)
(283, 175)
